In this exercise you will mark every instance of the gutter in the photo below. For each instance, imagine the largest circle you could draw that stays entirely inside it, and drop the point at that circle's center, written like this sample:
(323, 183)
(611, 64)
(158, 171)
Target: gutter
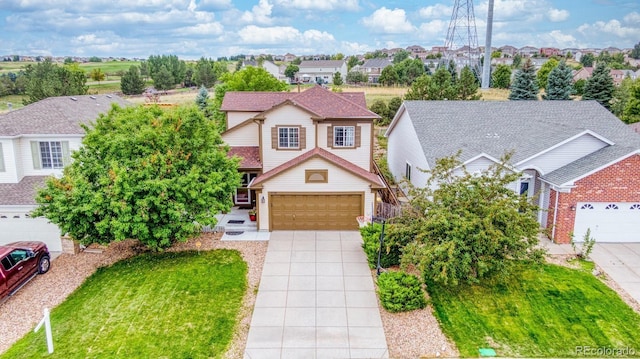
(555, 217)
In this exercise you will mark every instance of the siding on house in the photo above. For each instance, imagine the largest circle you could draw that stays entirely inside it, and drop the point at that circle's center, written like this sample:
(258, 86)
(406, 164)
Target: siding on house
(236, 118)
(285, 116)
(564, 154)
(26, 158)
(403, 148)
(246, 135)
(360, 156)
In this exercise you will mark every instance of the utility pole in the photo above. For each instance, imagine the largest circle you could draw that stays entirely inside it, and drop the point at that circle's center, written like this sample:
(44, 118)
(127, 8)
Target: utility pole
(486, 69)
(462, 33)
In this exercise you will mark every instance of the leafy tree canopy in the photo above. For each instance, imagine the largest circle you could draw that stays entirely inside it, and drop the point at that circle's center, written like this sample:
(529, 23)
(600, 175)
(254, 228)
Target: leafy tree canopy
(501, 77)
(291, 71)
(142, 173)
(204, 73)
(587, 60)
(466, 227)
(635, 53)
(173, 66)
(46, 79)
(543, 74)
(389, 76)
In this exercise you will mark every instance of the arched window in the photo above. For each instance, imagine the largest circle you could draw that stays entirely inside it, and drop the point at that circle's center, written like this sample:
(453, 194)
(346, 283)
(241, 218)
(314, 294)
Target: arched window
(586, 206)
(611, 206)
(635, 206)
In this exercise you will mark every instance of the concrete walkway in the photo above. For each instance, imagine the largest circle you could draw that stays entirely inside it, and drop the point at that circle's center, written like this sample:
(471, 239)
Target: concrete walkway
(316, 300)
(621, 262)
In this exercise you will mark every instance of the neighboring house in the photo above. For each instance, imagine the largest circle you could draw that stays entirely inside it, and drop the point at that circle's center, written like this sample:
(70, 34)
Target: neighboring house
(307, 157)
(269, 66)
(582, 74)
(579, 163)
(372, 68)
(549, 51)
(508, 50)
(528, 51)
(321, 71)
(289, 57)
(35, 143)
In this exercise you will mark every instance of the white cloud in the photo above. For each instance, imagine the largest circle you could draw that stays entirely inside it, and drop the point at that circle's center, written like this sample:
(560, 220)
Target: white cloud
(632, 18)
(557, 15)
(611, 27)
(206, 29)
(282, 35)
(436, 11)
(354, 48)
(388, 21)
(434, 28)
(259, 14)
(324, 5)
(211, 5)
(557, 38)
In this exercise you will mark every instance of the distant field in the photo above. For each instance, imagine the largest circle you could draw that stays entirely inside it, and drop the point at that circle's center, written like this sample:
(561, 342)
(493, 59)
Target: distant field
(15, 101)
(110, 67)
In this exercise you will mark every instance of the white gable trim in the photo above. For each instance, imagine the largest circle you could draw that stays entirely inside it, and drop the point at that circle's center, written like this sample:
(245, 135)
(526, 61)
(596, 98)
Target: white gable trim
(490, 158)
(395, 120)
(559, 144)
(573, 181)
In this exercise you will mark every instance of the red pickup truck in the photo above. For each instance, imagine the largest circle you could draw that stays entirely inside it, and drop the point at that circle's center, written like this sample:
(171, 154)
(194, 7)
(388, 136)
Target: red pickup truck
(19, 263)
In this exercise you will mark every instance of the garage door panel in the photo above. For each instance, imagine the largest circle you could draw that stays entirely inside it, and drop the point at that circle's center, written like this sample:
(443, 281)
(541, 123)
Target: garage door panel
(30, 229)
(315, 211)
(608, 221)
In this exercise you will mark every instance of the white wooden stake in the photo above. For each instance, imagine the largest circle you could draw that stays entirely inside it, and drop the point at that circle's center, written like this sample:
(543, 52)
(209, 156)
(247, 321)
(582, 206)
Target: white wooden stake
(47, 329)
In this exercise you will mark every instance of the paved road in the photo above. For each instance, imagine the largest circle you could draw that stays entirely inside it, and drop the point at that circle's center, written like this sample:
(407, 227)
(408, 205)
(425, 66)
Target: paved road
(316, 300)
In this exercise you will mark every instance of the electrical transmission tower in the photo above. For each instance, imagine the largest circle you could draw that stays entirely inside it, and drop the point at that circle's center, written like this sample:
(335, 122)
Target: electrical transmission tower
(462, 35)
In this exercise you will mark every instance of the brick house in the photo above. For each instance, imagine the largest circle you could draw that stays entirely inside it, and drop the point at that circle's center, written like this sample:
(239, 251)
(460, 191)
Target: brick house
(579, 163)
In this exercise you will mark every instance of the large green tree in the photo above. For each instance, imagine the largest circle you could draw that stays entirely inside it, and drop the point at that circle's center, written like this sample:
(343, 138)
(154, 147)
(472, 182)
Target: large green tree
(142, 173)
(463, 227)
(131, 82)
(501, 77)
(291, 71)
(248, 79)
(559, 83)
(204, 74)
(543, 74)
(46, 79)
(631, 112)
(467, 86)
(524, 86)
(599, 86)
(587, 60)
(389, 76)
(160, 65)
(635, 52)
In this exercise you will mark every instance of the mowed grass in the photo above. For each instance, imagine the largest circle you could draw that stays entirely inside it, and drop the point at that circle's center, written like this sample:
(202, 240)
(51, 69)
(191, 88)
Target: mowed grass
(545, 311)
(168, 305)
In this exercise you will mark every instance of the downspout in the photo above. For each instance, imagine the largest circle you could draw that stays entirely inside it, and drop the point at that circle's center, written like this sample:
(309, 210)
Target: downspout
(555, 217)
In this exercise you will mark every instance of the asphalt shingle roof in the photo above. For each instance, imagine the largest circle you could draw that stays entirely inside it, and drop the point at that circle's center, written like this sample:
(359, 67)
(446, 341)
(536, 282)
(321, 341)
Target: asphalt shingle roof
(377, 63)
(21, 193)
(57, 115)
(525, 127)
(317, 99)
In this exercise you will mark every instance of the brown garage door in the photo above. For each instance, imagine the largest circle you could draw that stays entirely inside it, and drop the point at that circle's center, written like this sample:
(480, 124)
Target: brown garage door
(330, 211)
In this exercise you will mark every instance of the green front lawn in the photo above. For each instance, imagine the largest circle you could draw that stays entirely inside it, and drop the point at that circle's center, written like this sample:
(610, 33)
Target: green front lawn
(546, 311)
(168, 305)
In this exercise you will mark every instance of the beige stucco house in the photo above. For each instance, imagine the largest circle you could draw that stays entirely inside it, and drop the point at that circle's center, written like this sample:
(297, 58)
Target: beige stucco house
(307, 158)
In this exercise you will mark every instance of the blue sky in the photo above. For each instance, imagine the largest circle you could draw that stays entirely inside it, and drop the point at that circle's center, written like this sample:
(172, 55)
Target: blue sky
(213, 28)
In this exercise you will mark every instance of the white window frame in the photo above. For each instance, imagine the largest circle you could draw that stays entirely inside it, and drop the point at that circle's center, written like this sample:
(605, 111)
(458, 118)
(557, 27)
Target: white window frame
(347, 136)
(287, 139)
(51, 154)
(2, 166)
(407, 171)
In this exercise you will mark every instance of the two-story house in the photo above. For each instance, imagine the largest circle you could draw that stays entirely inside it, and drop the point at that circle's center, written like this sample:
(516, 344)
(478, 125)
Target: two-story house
(372, 68)
(307, 157)
(321, 71)
(578, 162)
(35, 143)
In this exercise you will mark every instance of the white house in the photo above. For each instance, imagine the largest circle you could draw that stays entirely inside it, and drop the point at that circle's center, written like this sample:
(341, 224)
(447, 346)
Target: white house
(578, 161)
(35, 143)
(321, 71)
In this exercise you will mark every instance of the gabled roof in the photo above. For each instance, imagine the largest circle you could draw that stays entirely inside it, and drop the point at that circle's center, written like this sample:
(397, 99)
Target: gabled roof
(318, 152)
(21, 193)
(57, 115)
(526, 127)
(318, 100)
(377, 63)
(250, 156)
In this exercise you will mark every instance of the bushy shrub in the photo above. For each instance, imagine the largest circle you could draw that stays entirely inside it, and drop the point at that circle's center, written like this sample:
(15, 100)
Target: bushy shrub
(400, 292)
(390, 252)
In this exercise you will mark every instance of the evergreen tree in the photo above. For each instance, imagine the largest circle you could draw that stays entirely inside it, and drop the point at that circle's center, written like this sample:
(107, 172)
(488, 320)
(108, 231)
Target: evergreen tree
(524, 86)
(203, 74)
(559, 83)
(202, 98)
(599, 86)
(163, 80)
(47, 79)
(517, 61)
(131, 82)
(467, 86)
(501, 77)
(587, 60)
(337, 79)
(635, 53)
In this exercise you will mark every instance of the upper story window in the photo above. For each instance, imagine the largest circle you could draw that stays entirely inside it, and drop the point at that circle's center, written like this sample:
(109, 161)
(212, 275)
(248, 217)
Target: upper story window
(344, 136)
(49, 154)
(289, 137)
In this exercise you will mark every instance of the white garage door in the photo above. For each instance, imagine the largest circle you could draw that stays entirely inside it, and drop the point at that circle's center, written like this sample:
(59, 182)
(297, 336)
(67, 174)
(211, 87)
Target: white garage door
(30, 229)
(608, 221)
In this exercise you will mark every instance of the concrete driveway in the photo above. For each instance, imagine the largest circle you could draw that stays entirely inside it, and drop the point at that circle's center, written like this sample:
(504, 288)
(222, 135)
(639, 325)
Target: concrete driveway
(316, 300)
(621, 262)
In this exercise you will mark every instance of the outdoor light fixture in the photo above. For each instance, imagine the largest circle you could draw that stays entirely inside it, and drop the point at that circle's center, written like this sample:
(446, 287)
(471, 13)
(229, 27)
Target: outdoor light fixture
(262, 199)
(573, 208)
